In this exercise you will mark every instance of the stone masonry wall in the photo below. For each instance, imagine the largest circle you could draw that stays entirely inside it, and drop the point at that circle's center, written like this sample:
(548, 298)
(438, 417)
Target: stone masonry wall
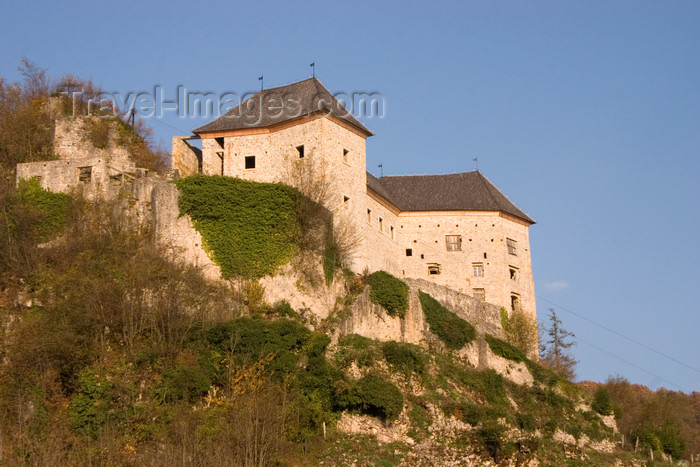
(184, 159)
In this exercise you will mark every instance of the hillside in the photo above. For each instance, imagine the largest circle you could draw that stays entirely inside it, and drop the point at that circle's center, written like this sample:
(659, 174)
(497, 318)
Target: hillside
(115, 353)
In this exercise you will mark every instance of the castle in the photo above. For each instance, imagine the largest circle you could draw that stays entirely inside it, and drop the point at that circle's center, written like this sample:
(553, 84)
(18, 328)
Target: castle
(456, 230)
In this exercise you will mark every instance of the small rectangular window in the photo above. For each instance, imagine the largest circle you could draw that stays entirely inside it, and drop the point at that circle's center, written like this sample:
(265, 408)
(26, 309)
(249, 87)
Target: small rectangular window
(511, 246)
(369, 215)
(85, 174)
(513, 272)
(392, 232)
(433, 269)
(249, 162)
(478, 269)
(300, 151)
(381, 224)
(409, 252)
(345, 155)
(453, 242)
(479, 294)
(515, 302)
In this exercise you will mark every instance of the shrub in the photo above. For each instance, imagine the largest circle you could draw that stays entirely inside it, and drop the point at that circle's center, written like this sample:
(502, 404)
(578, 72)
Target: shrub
(602, 402)
(407, 358)
(389, 292)
(505, 350)
(253, 338)
(49, 211)
(184, 383)
(356, 348)
(450, 328)
(89, 406)
(378, 397)
(526, 421)
(248, 228)
(98, 131)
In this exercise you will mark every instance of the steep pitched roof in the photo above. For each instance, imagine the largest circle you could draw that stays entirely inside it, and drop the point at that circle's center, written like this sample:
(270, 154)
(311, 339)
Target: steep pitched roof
(468, 191)
(277, 105)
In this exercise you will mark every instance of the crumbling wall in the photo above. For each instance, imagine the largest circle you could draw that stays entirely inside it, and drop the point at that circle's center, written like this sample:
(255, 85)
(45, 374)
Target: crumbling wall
(177, 232)
(186, 159)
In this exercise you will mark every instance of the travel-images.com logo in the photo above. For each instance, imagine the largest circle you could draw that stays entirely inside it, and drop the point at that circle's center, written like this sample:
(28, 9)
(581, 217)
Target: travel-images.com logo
(250, 108)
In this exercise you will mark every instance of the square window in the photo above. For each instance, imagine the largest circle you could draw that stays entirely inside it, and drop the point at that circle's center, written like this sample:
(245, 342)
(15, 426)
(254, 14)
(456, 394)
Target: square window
(511, 246)
(409, 252)
(478, 269)
(85, 174)
(479, 294)
(453, 242)
(249, 162)
(300, 151)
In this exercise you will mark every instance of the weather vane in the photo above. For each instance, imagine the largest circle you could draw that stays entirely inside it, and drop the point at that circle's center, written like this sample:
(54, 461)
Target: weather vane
(313, 69)
(262, 83)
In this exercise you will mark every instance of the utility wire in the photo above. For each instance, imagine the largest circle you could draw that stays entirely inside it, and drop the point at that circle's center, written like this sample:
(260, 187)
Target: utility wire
(578, 339)
(621, 335)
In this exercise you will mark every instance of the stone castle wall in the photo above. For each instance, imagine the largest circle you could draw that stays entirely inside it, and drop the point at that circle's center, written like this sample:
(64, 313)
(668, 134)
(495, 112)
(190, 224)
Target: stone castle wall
(384, 234)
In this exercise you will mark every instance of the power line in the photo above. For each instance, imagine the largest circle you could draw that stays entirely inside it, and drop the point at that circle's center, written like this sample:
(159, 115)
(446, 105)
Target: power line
(621, 335)
(629, 363)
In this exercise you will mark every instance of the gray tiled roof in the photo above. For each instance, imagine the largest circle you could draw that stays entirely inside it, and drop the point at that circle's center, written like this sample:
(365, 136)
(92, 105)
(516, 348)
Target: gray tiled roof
(468, 191)
(278, 105)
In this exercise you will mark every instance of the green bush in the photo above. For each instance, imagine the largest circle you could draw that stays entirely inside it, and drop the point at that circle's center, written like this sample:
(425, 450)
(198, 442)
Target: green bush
(450, 328)
(89, 406)
(602, 402)
(389, 292)
(379, 398)
(248, 228)
(184, 383)
(526, 421)
(356, 348)
(49, 211)
(407, 358)
(505, 350)
(253, 338)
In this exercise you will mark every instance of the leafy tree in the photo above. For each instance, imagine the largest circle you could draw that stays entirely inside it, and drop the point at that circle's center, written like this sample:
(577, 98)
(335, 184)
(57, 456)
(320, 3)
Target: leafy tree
(554, 352)
(602, 402)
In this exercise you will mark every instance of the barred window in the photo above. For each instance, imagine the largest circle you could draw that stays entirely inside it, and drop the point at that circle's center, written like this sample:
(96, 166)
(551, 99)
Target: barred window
(453, 242)
(511, 246)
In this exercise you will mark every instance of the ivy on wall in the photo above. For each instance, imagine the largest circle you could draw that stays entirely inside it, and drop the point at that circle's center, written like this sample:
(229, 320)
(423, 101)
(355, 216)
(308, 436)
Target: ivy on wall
(389, 292)
(248, 228)
(48, 211)
(450, 328)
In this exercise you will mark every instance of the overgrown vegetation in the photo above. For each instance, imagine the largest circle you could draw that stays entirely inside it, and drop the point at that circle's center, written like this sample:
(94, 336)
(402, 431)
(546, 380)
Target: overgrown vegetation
(520, 330)
(663, 421)
(450, 328)
(389, 292)
(40, 211)
(249, 228)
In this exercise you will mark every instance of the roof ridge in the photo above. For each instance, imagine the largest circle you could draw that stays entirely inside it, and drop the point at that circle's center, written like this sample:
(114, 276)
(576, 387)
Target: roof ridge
(431, 175)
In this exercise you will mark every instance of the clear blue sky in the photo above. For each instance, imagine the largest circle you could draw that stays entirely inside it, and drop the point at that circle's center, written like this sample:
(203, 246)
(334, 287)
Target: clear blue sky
(586, 114)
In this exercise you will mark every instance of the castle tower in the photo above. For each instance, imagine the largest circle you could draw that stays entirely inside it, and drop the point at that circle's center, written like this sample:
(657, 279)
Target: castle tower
(287, 134)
